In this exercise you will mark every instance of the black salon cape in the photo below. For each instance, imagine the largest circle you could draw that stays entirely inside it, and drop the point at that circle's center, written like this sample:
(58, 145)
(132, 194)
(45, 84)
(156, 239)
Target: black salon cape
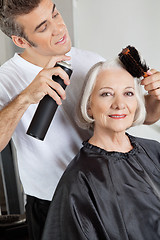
(108, 195)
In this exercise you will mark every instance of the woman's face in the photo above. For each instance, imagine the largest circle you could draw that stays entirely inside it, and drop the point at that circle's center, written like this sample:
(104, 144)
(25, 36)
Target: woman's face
(113, 101)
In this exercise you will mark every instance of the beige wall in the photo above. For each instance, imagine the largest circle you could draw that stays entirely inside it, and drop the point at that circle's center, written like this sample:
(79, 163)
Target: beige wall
(66, 8)
(7, 49)
(106, 26)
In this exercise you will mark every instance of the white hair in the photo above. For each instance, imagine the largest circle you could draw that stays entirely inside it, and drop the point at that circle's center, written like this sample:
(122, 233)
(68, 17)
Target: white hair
(83, 119)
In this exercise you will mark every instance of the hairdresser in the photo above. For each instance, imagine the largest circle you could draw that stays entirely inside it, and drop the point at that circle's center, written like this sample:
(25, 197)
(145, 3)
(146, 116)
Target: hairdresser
(111, 189)
(37, 27)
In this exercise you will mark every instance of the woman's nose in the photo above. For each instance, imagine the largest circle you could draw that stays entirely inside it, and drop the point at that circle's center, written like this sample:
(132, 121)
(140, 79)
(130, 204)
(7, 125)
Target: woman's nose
(118, 103)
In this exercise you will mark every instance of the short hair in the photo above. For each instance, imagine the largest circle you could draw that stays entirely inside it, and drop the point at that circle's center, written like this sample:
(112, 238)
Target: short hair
(9, 10)
(83, 119)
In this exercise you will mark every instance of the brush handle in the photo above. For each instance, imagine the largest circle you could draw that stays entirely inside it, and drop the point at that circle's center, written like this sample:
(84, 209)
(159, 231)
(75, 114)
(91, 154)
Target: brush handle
(145, 74)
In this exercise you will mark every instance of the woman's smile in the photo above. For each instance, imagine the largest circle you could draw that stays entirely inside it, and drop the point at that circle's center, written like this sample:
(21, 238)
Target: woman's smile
(118, 116)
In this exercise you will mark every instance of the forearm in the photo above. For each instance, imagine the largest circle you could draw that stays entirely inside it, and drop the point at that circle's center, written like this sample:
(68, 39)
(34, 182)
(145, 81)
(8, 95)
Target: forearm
(9, 118)
(36, 90)
(153, 109)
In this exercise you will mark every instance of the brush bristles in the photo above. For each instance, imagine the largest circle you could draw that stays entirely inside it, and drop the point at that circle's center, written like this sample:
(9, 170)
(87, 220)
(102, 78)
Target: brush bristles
(132, 62)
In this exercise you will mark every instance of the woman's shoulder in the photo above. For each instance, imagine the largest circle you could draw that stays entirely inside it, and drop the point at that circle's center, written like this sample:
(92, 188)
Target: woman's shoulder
(147, 141)
(81, 162)
(151, 146)
(80, 169)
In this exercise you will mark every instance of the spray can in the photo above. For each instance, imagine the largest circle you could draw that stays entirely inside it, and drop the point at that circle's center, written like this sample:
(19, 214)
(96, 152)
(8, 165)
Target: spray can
(46, 108)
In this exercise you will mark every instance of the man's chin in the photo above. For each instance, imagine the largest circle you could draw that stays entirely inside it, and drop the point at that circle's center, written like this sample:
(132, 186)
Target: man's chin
(69, 48)
(65, 50)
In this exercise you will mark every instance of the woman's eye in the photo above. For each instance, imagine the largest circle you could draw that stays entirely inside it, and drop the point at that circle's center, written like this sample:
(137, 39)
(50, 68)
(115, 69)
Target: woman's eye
(129, 94)
(106, 94)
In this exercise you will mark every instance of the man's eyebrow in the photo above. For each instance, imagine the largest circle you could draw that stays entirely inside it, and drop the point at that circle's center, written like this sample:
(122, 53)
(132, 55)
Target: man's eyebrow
(44, 20)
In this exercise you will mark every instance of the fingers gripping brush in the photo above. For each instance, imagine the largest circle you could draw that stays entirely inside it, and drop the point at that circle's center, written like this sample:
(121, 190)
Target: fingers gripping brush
(132, 62)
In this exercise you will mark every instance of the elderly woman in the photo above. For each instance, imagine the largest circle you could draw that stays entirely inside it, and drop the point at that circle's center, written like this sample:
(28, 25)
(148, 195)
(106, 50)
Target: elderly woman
(111, 189)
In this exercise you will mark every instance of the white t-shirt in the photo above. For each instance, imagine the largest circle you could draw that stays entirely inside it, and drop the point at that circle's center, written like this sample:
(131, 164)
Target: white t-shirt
(41, 163)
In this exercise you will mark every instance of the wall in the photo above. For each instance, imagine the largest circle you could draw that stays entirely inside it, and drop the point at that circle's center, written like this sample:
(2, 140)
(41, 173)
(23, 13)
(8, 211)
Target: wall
(67, 10)
(7, 48)
(107, 26)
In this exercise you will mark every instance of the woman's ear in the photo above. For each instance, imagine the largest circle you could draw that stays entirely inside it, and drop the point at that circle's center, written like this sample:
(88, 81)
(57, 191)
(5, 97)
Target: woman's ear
(89, 111)
(20, 41)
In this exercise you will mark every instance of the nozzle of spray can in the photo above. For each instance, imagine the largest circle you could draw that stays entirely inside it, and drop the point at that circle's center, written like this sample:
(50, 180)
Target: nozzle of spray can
(46, 108)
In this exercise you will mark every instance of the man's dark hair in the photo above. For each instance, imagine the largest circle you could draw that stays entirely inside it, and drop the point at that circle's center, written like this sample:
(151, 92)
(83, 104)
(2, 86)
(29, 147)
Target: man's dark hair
(9, 10)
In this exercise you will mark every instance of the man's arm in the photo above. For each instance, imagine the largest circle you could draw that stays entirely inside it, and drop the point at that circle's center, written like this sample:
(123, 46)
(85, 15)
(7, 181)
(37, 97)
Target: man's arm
(9, 118)
(152, 85)
(153, 109)
(43, 84)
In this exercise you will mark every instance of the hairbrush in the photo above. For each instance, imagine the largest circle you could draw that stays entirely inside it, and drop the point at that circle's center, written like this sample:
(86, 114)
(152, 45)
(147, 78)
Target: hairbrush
(132, 62)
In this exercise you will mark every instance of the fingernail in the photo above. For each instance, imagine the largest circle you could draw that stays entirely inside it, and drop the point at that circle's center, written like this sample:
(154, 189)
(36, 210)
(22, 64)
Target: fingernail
(67, 82)
(149, 72)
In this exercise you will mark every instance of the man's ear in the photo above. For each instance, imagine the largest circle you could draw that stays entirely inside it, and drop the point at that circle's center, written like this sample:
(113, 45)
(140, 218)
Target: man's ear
(20, 41)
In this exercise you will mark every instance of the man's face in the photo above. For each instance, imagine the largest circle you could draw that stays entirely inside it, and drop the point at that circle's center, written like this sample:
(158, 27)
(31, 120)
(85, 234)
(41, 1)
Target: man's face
(45, 27)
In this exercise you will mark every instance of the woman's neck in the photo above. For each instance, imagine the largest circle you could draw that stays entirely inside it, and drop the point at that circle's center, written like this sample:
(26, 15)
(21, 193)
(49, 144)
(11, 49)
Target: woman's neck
(118, 142)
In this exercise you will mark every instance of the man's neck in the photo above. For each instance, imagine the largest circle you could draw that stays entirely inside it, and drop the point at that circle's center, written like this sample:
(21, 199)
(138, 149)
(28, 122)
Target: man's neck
(35, 59)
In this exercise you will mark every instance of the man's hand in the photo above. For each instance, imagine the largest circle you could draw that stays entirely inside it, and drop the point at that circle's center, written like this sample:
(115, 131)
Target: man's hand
(152, 85)
(43, 83)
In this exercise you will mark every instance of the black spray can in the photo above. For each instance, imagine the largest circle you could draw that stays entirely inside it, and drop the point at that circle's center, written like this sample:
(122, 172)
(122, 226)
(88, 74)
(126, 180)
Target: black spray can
(46, 108)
